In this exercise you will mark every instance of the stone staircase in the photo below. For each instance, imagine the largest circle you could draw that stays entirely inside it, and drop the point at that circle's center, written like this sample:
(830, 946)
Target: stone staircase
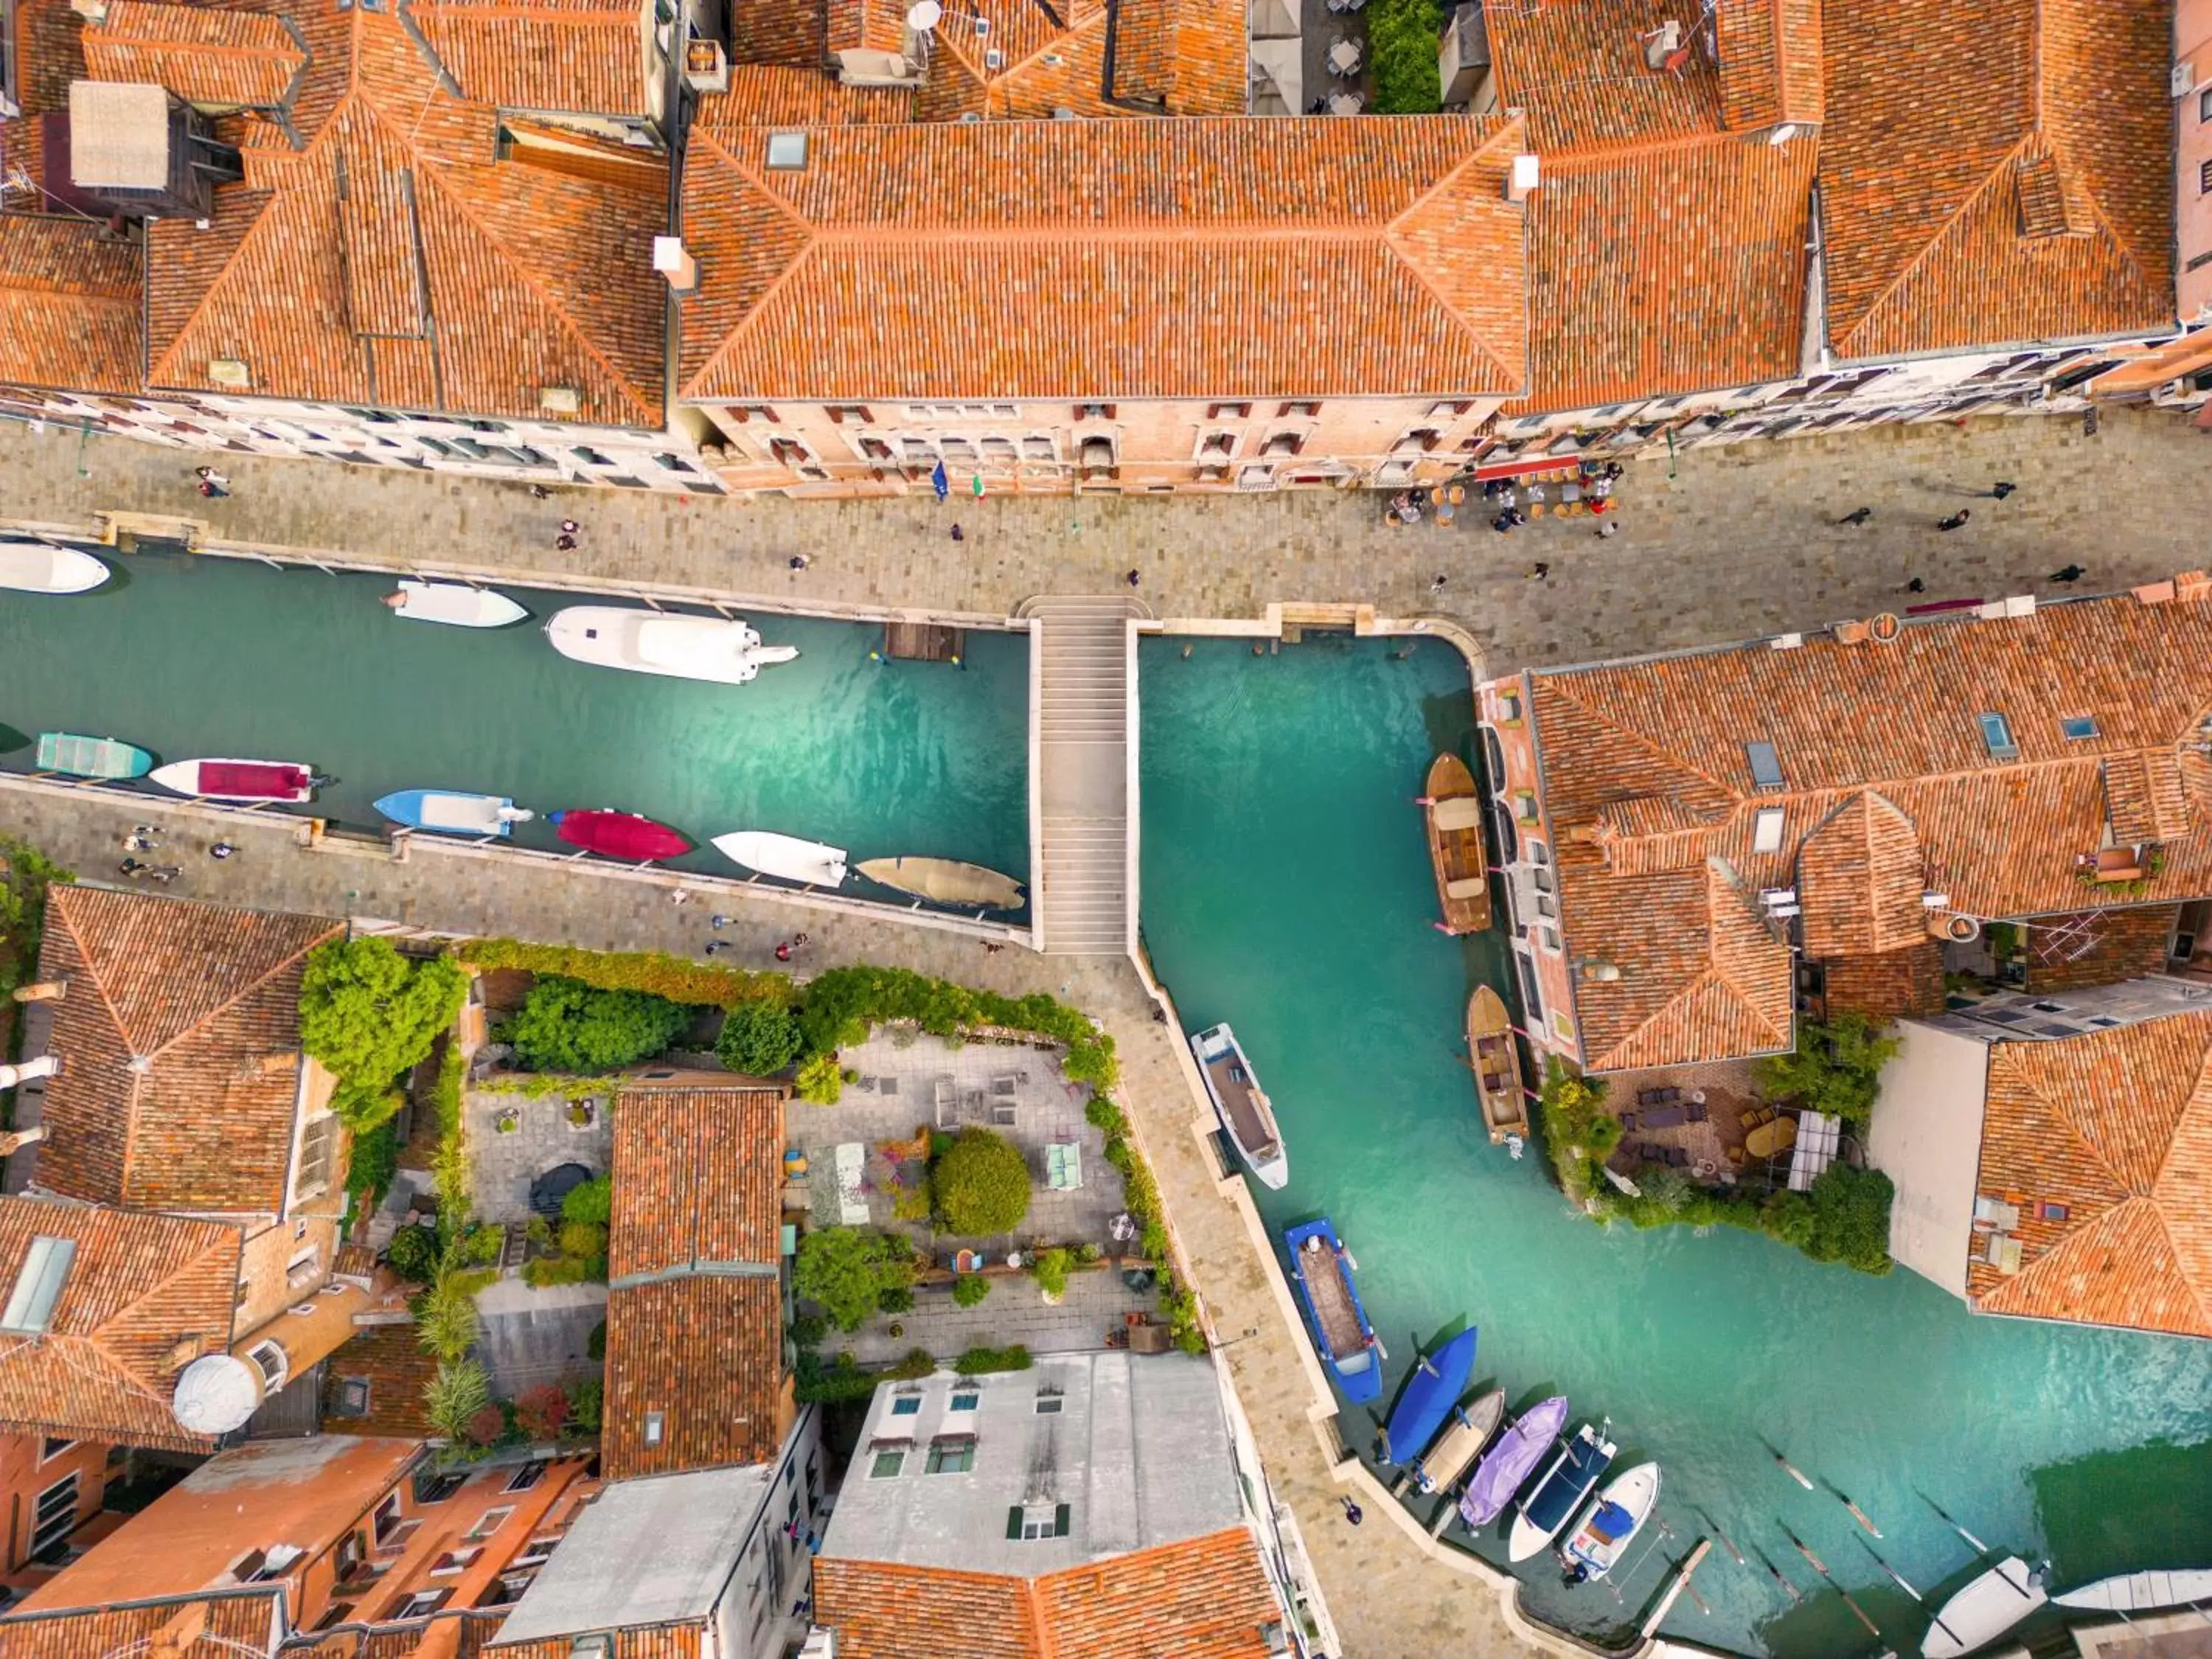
(1084, 900)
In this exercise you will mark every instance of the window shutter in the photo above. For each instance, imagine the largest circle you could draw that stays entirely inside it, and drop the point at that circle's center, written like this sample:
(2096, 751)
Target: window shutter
(1014, 1522)
(1059, 1521)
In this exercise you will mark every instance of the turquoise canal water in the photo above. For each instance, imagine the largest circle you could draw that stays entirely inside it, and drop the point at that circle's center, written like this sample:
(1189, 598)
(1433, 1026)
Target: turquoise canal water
(189, 657)
(1286, 889)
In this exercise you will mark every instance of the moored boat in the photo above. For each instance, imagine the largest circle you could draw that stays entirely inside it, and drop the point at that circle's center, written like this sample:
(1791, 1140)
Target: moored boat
(787, 857)
(1241, 1106)
(1454, 813)
(1559, 1491)
(453, 812)
(722, 649)
(455, 604)
(90, 757)
(1342, 1336)
(946, 881)
(2142, 1592)
(1466, 1433)
(1989, 1606)
(1597, 1544)
(30, 566)
(1497, 1060)
(1437, 1381)
(618, 835)
(238, 779)
(1505, 1467)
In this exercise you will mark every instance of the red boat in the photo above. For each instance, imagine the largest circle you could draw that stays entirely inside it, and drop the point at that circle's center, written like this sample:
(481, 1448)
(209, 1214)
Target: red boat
(619, 835)
(238, 779)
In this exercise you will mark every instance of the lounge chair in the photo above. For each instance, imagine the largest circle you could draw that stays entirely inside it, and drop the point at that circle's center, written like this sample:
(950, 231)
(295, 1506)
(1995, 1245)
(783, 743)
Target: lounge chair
(1628, 1119)
(1748, 1117)
(1678, 1156)
(1697, 1111)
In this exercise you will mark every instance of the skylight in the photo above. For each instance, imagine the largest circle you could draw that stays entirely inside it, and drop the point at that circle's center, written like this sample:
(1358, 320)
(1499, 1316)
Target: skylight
(1997, 737)
(38, 1285)
(2074, 727)
(1766, 765)
(1766, 830)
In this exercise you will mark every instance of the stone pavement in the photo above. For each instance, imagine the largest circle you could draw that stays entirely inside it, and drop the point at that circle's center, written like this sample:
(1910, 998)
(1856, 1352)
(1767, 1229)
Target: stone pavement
(532, 1337)
(1721, 544)
(502, 1167)
(1015, 1311)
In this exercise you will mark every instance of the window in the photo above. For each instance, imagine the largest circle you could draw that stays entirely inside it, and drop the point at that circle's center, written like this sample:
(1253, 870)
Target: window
(1228, 411)
(269, 1360)
(39, 1284)
(352, 1397)
(1305, 412)
(887, 1462)
(50, 1448)
(433, 1488)
(787, 452)
(527, 1476)
(850, 415)
(455, 1560)
(1997, 737)
(1094, 411)
(305, 1266)
(950, 1454)
(1448, 411)
(745, 413)
(492, 1520)
(2205, 105)
(55, 1517)
(906, 1405)
(1028, 1523)
(1283, 443)
(2204, 179)
(1048, 1405)
(420, 1605)
(2049, 1210)
(1766, 765)
(319, 1144)
(2074, 727)
(1421, 438)
(387, 1518)
(1766, 830)
(965, 1402)
(1216, 446)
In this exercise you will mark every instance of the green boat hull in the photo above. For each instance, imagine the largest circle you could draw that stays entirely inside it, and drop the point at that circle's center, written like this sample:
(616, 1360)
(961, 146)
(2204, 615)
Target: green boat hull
(91, 757)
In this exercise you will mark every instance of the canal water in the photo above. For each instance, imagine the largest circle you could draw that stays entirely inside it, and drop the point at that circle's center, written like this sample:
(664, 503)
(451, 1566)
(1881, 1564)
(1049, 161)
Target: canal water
(1286, 889)
(192, 656)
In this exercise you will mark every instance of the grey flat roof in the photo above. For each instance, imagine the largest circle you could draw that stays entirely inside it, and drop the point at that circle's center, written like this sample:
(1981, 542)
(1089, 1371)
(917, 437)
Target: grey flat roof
(643, 1553)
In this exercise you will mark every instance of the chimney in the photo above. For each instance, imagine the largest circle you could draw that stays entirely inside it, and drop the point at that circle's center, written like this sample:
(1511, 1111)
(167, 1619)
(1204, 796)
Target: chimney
(92, 11)
(29, 1070)
(670, 259)
(17, 1140)
(1520, 181)
(45, 990)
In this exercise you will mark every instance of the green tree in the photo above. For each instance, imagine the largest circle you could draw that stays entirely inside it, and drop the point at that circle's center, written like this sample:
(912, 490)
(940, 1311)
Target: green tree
(982, 1185)
(1051, 1272)
(1578, 1132)
(759, 1038)
(445, 1318)
(414, 1253)
(1402, 37)
(820, 1081)
(25, 875)
(1850, 1210)
(369, 1014)
(970, 1289)
(591, 1200)
(846, 1270)
(1836, 1068)
(460, 1391)
(565, 1026)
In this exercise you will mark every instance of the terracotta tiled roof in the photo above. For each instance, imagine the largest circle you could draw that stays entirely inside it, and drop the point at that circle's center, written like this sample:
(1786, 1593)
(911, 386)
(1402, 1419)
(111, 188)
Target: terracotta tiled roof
(1576, 68)
(1206, 1598)
(207, 55)
(698, 1178)
(2097, 947)
(1888, 985)
(705, 1352)
(681, 1640)
(581, 57)
(2113, 1130)
(1701, 977)
(448, 1634)
(396, 1367)
(1769, 61)
(180, 1041)
(1995, 171)
(1037, 259)
(47, 54)
(144, 1295)
(69, 303)
(779, 95)
(221, 1626)
(781, 31)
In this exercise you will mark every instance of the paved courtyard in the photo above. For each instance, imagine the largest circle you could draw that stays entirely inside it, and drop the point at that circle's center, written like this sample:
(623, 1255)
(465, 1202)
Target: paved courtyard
(503, 1163)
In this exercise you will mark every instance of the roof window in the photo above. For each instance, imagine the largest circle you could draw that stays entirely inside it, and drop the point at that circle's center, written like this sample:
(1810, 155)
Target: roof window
(787, 151)
(1767, 830)
(1766, 765)
(654, 1427)
(38, 1285)
(2074, 727)
(1996, 736)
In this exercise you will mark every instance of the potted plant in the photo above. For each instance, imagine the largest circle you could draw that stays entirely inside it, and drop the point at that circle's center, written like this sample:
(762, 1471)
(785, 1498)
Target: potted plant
(508, 1120)
(1051, 1272)
(583, 1113)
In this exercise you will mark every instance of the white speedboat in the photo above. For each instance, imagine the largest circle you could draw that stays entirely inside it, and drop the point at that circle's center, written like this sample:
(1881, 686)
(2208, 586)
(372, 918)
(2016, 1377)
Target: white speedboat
(1595, 1546)
(253, 780)
(720, 648)
(30, 566)
(1241, 1105)
(811, 863)
(455, 604)
(1986, 1609)
(453, 812)
(2142, 1592)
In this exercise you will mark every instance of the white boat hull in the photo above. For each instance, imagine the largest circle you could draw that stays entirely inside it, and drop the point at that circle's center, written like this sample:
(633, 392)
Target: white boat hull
(36, 567)
(2142, 1592)
(1984, 1610)
(1608, 1525)
(195, 778)
(717, 649)
(787, 857)
(456, 604)
(1218, 1044)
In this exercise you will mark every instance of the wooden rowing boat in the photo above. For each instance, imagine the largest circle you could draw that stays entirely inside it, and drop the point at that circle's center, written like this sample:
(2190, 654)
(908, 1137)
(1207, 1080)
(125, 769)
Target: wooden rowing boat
(946, 881)
(1453, 810)
(1495, 1060)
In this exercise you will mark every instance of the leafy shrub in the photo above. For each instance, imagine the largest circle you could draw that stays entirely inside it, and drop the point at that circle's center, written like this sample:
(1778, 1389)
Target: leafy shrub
(486, 1425)
(1850, 1217)
(656, 972)
(1051, 1271)
(583, 1239)
(591, 1200)
(1578, 1132)
(544, 1270)
(970, 1289)
(911, 1199)
(368, 1014)
(840, 1004)
(445, 1318)
(595, 1345)
(414, 1254)
(585, 1401)
(1836, 1068)
(808, 1329)
(1152, 1243)
(25, 875)
(846, 1270)
(375, 1160)
(758, 1038)
(820, 1080)
(940, 1142)
(449, 1164)
(896, 1299)
(565, 1025)
(982, 1185)
(917, 1364)
(481, 1245)
(541, 1412)
(452, 1398)
(1401, 48)
(841, 1381)
(977, 1361)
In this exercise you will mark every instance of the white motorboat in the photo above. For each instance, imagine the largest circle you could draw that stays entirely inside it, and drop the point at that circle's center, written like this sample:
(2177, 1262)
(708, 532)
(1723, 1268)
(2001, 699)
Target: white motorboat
(453, 812)
(255, 781)
(1241, 1105)
(1596, 1546)
(30, 566)
(2142, 1592)
(455, 604)
(1986, 1609)
(811, 863)
(722, 649)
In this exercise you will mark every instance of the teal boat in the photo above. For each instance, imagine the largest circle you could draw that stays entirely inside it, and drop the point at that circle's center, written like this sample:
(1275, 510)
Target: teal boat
(91, 757)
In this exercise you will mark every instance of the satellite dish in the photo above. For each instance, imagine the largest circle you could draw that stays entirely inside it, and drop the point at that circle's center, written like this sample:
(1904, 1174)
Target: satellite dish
(215, 1393)
(922, 16)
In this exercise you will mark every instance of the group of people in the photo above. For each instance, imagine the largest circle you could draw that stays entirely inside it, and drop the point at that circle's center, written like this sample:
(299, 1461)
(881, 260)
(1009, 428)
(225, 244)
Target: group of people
(147, 838)
(1594, 488)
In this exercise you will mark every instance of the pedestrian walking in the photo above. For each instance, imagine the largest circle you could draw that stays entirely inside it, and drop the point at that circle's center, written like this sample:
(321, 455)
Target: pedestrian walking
(1132, 578)
(799, 561)
(212, 483)
(798, 940)
(2001, 489)
(1351, 1512)
(714, 946)
(1856, 516)
(1954, 520)
(957, 535)
(783, 952)
(1436, 585)
(1916, 586)
(2072, 572)
(130, 867)
(1516, 515)
(1503, 522)
(569, 527)
(564, 543)
(164, 874)
(221, 850)
(211, 489)
(1609, 527)
(718, 922)
(538, 492)
(1539, 572)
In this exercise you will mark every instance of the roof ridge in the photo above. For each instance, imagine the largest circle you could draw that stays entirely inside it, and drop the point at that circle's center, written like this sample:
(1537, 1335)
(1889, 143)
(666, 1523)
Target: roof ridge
(1557, 683)
(782, 278)
(1420, 274)
(1608, 151)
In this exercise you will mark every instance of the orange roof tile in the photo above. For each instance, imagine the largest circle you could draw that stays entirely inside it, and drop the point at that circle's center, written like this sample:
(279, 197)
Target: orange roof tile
(704, 1352)
(2115, 1129)
(206, 55)
(1576, 68)
(139, 1287)
(221, 1625)
(781, 95)
(48, 55)
(681, 1640)
(1769, 61)
(1033, 259)
(1888, 985)
(69, 303)
(180, 1041)
(392, 1361)
(580, 57)
(698, 1180)
(1860, 879)
(1204, 1598)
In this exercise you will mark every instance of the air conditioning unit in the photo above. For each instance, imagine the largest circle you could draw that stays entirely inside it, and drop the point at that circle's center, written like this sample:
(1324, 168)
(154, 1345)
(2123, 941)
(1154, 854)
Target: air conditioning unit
(2180, 79)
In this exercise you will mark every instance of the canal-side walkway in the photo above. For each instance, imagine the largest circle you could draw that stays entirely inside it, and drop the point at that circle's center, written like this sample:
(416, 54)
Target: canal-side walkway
(1388, 1600)
(1719, 544)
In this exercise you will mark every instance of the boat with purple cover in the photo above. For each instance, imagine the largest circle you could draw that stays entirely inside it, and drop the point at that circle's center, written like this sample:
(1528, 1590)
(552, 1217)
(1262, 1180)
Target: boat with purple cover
(1511, 1461)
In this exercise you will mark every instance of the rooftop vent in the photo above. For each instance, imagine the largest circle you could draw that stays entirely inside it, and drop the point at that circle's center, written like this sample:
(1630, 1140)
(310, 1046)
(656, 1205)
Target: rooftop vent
(229, 371)
(923, 16)
(994, 59)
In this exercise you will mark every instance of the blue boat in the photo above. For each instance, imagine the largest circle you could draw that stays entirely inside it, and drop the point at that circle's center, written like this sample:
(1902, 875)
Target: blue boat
(1434, 1388)
(453, 811)
(1342, 1336)
(1580, 1464)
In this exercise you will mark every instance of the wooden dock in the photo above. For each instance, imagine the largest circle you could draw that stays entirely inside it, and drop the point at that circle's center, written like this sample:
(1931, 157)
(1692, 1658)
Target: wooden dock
(906, 641)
